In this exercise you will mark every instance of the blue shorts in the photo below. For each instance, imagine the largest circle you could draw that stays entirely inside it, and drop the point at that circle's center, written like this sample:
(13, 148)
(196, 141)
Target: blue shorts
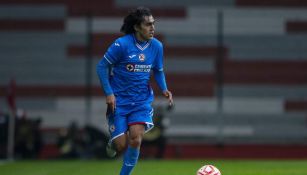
(125, 116)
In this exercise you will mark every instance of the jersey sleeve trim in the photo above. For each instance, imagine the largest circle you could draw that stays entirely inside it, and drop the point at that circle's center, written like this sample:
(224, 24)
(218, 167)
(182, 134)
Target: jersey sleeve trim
(107, 59)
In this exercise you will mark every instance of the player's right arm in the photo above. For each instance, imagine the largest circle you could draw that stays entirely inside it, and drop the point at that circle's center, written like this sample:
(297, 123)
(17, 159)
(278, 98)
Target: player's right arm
(103, 70)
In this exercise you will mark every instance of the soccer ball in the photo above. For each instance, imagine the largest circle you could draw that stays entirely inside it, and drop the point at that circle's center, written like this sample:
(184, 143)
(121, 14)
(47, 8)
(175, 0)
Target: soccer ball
(208, 170)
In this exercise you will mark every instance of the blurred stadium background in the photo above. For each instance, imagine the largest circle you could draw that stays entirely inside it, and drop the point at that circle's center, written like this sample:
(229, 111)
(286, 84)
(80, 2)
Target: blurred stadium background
(237, 69)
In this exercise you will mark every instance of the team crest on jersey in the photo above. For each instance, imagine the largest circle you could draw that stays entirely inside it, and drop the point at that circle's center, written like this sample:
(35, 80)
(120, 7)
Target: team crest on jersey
(130, 67)
(142, 57)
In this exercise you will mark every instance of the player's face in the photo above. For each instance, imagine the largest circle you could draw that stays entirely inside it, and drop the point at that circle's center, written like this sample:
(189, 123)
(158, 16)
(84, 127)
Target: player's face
(145, 31)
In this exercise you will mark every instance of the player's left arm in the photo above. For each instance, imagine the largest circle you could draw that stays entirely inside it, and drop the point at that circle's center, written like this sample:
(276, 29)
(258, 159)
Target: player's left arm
(160, 79)
(160, 76)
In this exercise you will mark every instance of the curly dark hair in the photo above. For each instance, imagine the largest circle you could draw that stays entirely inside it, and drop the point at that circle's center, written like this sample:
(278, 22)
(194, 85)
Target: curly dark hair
(135, 17)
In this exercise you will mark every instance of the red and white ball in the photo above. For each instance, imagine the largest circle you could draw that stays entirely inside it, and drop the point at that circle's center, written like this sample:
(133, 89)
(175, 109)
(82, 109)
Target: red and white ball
(208, 170)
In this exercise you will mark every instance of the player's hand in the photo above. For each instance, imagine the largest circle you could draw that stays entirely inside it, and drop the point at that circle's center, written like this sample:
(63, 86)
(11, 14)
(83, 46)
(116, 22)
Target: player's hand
(169, 96)
(111, 102)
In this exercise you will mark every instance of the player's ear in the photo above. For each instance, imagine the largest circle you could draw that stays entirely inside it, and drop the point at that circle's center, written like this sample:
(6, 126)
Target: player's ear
(136, 28)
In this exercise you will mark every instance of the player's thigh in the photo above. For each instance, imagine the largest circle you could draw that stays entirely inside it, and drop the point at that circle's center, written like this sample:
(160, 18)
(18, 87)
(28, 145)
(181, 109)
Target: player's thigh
(136, 133)
(136, 130)
(121, 142)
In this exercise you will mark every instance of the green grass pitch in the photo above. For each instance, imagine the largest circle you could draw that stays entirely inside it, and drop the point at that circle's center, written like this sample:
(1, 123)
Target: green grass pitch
(154, 167)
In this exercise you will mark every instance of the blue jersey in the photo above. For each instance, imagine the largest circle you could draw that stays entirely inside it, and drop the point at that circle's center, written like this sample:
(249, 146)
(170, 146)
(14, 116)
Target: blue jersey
(132, 63)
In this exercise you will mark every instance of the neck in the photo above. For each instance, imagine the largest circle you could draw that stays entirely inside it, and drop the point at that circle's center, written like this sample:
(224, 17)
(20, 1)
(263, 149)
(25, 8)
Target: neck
(139, 38)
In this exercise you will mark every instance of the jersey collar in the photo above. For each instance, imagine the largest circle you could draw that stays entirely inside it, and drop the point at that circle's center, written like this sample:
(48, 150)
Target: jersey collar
(138, 45)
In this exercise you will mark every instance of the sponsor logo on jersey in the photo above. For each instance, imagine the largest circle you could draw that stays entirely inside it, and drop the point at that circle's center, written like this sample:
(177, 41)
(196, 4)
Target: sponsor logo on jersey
(130, 67)
(142, 57)
(138, 67)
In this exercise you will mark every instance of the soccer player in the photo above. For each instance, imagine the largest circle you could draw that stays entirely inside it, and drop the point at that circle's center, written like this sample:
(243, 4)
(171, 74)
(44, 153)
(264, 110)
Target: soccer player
(124, 73)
